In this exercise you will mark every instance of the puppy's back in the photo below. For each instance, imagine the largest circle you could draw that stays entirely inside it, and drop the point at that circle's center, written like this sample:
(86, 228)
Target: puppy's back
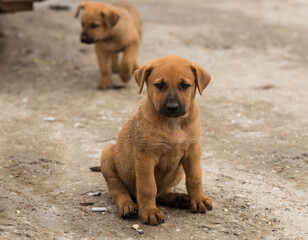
(134, 13)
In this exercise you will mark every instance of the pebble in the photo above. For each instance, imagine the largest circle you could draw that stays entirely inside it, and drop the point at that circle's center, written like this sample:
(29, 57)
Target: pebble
(86, 203)
(135, 227)
(140, 231)
(99, 209)
(15, 68)
(78, 125)
(20, 35)
(49, 119)
(225, 210)
(94, 194)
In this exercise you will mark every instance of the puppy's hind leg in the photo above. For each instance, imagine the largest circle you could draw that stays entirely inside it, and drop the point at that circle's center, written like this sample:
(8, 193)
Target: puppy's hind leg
(173, 199)
(118, 191)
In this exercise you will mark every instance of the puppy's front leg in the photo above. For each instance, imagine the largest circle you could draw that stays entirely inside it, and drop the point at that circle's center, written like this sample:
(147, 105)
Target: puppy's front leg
(199, 202)
(103, 58)
(115, 63)
(129, 62)
(147, 189)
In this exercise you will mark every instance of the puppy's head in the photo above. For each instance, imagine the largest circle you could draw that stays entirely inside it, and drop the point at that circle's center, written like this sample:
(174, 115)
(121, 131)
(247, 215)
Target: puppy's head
(171, 84)
(97, 21)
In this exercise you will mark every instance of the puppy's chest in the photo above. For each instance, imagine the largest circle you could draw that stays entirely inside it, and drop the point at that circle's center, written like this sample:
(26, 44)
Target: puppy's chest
(174, 144)
(113, 46)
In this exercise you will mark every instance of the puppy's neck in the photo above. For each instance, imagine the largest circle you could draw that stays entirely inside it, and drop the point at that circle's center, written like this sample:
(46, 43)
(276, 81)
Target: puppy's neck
(150, 114)
(107, 39)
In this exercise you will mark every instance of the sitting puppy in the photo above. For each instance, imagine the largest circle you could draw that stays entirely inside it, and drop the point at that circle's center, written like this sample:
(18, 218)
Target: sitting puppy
(114, 29)
(159, 144)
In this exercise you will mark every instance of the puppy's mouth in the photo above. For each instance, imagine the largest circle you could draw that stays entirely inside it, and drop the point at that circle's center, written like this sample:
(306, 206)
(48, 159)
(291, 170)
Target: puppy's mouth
(86, 40)
(172, 115)
(172, 110)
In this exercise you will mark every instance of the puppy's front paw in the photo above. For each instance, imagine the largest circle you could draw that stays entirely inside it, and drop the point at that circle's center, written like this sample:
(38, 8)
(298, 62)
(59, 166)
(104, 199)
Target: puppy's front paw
(103, 86)
(151, 216)
(115, 68)
(125, 72)
(128, 210)
(200, 204)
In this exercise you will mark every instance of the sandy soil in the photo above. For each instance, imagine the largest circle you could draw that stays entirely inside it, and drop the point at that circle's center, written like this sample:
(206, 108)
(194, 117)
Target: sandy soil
(254, 121)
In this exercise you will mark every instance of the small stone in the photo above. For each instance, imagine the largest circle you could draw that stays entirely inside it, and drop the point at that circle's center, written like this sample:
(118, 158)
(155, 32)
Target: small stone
(20, 35)
(226, 210)
(140, 231)
(78, 125)
(135, 227)
(2, 209)
(17, 211)
(99, 209)
(86, 203)
(49, 119)
(58, 7)
(91, 194)
(15, 68)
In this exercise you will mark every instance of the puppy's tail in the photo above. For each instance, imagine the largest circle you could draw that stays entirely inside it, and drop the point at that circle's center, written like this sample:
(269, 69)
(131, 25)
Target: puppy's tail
(95, 169)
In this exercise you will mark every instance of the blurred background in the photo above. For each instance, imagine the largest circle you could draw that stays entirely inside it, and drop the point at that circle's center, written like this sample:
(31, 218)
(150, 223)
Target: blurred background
(54, 123)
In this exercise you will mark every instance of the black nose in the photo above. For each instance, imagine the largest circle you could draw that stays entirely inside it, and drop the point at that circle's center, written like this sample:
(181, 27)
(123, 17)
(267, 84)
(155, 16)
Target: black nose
(172, 107)
(83, 39)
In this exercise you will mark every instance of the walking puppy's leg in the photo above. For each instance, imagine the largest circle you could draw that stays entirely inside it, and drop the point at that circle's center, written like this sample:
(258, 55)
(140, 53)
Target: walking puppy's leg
(118, 191)
(103, 58)
(129, 62)
(115, 63)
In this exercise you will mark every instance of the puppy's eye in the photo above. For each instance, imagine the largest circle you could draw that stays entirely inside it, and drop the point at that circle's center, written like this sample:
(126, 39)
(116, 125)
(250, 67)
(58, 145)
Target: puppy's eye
(82, 24)
(184, 85)
(160, 85)
(94, 25)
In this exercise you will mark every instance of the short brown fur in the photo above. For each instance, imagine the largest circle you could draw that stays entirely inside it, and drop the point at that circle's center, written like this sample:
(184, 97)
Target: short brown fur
(153, 151)
(113, 29)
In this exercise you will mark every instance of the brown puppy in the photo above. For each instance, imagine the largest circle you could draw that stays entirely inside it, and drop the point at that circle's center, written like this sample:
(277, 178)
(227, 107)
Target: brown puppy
(160, 143)
(114, 29)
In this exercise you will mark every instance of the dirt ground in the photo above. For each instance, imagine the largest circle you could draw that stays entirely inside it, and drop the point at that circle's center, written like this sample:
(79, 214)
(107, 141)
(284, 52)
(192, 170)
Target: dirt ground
(254, 118)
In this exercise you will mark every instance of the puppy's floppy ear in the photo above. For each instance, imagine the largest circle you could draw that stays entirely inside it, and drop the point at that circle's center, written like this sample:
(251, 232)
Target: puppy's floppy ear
(81, 6)
(141, 75)
(111, 18)
(202, 78)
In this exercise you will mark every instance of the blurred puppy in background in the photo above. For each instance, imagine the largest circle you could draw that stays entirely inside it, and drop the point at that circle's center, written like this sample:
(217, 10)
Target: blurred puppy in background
(113, 29)
(160, 143)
